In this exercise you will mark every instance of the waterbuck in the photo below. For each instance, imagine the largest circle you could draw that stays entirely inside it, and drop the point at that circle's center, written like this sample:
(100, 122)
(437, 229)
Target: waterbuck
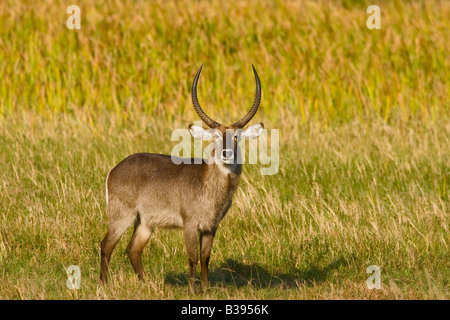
(150, 190)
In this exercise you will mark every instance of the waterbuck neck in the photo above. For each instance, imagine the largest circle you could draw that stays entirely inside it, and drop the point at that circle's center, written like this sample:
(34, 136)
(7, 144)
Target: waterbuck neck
(222, 178)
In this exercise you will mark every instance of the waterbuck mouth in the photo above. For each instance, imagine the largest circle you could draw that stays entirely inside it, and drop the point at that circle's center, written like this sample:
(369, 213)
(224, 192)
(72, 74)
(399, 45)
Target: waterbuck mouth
(228, 160)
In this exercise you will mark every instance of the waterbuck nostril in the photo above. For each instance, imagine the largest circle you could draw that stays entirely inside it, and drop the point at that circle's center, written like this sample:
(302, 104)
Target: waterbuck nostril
(227, 154)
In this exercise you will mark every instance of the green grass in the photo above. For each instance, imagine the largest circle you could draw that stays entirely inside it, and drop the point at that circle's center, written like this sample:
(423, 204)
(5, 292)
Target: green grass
(316, 59)
(364, 120)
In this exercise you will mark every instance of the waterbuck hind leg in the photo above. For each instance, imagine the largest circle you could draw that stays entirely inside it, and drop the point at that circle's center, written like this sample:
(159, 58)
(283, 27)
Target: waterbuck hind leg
(119, 221)
(206, 241)
(191, 239)
(107, 246)
(137, 243)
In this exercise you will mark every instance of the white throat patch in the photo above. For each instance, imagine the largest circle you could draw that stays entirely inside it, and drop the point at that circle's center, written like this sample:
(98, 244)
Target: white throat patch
(225, 169)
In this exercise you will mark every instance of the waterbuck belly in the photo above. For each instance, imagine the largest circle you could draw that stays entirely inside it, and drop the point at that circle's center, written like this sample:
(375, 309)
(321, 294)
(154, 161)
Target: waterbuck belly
(159, 211)
(163, 218)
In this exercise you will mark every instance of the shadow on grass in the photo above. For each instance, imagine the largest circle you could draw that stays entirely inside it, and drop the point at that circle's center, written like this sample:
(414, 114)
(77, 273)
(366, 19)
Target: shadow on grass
(237, 274)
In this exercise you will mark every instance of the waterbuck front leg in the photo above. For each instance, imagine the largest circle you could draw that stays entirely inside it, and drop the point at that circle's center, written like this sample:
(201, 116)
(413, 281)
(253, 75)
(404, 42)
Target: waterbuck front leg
(206, 241)
(190, 234)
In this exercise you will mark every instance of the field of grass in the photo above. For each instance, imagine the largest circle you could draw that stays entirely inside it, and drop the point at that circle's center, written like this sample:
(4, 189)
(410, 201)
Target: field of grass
(364, 120)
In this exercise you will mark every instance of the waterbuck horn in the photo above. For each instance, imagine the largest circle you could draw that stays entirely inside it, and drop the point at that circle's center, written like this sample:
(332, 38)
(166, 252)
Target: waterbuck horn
(241, 123)
(210, 122)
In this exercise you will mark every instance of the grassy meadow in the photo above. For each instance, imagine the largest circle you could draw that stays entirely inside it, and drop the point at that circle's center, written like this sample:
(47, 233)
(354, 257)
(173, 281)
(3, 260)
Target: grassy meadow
(364, 122)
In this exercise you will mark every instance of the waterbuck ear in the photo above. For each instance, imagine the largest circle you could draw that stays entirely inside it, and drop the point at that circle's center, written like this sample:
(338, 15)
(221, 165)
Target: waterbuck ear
(198, 132)
(201, 134)
(253, 131)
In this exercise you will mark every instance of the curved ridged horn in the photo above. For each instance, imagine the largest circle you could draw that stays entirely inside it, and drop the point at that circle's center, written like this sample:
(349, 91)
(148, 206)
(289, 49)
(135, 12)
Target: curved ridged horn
(210, 122)
(241, 123)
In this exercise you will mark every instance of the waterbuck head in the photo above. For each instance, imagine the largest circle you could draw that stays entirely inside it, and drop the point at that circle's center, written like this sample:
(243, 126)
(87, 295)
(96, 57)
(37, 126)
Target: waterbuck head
(225, 138)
